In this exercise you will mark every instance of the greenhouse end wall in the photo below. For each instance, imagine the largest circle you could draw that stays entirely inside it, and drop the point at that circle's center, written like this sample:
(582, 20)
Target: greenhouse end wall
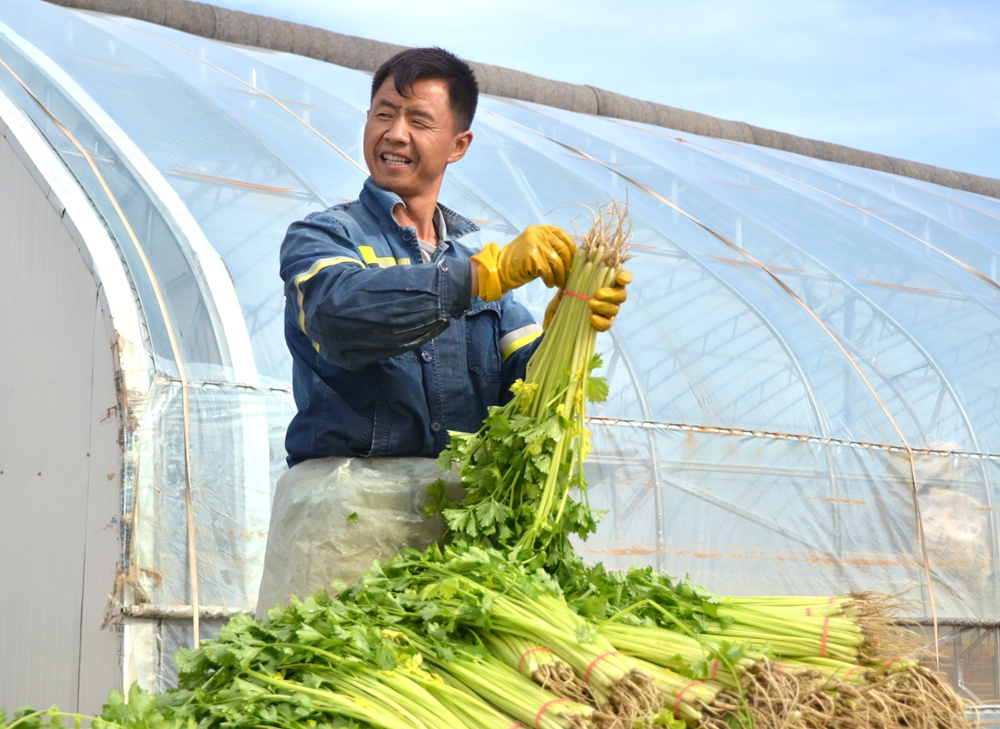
(60, 462)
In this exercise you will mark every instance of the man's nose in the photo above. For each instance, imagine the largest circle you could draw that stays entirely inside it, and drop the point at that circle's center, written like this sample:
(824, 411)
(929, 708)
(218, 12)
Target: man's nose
(397, 132)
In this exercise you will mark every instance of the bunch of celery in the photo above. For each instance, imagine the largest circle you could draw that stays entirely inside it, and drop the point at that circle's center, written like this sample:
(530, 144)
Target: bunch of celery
(465, 588)
(520, 468)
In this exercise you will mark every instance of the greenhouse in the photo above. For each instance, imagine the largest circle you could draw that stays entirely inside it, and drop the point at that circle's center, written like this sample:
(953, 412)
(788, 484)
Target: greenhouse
(801, 399)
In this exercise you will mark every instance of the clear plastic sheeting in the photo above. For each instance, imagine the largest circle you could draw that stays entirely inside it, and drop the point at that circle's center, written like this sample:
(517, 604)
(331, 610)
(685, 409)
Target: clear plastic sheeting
(235, 456)
(970, 657)
(123, 200)
(755, 514)
(796, 328)
(156, 670)
(332, 517)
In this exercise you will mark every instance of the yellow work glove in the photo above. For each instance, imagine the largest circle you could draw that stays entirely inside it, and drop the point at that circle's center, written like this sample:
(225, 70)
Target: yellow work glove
(541, 251)
(605, 303)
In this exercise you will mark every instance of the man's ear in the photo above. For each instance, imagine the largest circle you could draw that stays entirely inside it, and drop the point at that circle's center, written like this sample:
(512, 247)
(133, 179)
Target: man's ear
(459, 146)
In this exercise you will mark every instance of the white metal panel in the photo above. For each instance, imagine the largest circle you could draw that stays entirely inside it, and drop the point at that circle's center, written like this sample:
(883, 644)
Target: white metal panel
(48, 302)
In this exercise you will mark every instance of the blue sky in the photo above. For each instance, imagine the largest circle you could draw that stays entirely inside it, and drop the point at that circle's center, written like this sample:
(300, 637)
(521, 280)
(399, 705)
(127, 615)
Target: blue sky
(918, 79)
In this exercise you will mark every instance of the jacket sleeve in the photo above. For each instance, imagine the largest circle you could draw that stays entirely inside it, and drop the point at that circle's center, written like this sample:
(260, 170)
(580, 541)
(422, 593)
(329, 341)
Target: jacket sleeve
(355, 315)
(520, 336)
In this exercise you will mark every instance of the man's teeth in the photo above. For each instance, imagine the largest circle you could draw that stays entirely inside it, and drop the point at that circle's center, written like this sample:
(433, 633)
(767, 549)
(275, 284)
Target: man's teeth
(394, 159)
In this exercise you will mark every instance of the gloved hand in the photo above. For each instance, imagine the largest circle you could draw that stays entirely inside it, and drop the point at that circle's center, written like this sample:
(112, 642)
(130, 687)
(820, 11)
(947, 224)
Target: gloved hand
(605, 303)
(541, 251)
(607, 300)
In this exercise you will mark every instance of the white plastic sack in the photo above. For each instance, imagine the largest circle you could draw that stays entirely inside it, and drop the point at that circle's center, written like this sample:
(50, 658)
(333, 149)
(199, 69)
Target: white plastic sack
(313, 540)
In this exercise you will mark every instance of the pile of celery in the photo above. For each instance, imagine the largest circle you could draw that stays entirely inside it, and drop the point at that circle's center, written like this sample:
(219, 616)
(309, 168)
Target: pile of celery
(505, 626)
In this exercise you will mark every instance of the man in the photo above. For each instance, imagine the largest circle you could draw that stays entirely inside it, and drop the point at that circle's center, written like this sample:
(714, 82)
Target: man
(397, 334)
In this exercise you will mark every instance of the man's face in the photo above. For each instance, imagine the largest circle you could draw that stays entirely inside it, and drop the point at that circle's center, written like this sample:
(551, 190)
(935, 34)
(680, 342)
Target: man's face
(410, 140)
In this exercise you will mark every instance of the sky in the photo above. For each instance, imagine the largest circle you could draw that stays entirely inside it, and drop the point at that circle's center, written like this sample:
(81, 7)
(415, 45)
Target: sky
(914, 79)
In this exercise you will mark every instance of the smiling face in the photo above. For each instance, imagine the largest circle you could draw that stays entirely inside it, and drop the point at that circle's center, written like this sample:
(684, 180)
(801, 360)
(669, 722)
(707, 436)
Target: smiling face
(410, 140)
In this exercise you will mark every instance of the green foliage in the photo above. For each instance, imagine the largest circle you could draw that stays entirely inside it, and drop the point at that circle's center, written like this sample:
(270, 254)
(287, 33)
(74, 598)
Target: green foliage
(142, 711)
(27, 717)
(439, 497)
(640, 594)
(522, 471)
(146, 711)
(505, 467)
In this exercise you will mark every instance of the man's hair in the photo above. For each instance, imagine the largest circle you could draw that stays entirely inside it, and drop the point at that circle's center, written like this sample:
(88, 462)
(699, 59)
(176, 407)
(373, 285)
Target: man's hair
(416, 64)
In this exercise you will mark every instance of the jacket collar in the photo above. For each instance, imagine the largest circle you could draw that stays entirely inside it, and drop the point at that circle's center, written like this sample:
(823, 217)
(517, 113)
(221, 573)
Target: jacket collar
(381, 202)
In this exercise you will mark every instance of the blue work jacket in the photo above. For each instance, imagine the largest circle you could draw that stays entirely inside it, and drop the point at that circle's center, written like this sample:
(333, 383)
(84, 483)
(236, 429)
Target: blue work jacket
(389, 353)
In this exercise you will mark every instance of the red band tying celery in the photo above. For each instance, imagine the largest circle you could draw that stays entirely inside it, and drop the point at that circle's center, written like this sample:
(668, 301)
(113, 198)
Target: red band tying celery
(530, 650)
(847, 675)
(831, 599)
(826, 629)
(809, 612)
(677, 701)
(600, 657)
(538, 716)
(889, 663)
(715, 665)
(579, 296)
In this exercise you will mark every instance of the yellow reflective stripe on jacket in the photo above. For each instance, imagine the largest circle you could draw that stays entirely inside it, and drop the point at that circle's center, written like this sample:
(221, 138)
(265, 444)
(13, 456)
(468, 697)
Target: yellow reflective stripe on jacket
(313, 270)
(513, 341)
(368, 253)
